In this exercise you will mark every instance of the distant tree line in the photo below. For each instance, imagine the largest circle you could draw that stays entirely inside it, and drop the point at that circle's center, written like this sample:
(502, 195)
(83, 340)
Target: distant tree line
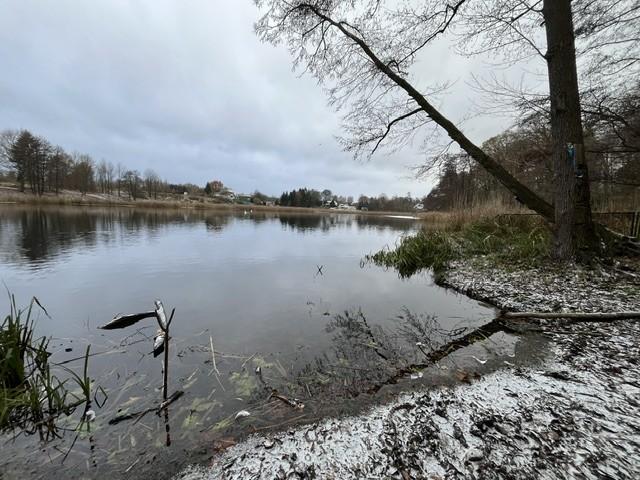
(612, 147)
(213, 187)
(303, 197)
(382, 203)
(40, 167)
(310, 198)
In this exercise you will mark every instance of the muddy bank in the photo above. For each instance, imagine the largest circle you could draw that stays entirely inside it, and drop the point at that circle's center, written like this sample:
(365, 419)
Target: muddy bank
(576, 415)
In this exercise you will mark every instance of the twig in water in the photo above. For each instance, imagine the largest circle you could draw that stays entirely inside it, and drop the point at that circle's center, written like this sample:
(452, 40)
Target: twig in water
(71, 447)
(107, 352)
(213, 355)
(138, 415)
(132, 465)
(174, 396)
(221, 385)
(292, 403)
(247, 360)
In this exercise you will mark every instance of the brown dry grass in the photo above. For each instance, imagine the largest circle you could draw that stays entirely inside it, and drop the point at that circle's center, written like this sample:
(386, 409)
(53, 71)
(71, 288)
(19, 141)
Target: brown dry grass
(458, 218)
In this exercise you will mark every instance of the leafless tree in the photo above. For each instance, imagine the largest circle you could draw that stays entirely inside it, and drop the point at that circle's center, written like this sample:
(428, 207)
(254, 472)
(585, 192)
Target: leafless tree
(132, 183)
(110, 177)
(101, 176)
(7, 139)
(81, 177)
(59, 168)
(363, 52)
(152, 183)
(120, 169)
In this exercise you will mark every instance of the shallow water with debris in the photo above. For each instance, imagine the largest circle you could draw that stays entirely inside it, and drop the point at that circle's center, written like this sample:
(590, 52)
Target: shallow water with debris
(573, 414)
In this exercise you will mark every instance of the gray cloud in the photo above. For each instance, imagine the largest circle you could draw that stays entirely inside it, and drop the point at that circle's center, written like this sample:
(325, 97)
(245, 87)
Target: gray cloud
(185, 88)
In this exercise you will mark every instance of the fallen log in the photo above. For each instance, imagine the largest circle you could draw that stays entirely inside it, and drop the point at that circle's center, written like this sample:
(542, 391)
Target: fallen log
(577, 316)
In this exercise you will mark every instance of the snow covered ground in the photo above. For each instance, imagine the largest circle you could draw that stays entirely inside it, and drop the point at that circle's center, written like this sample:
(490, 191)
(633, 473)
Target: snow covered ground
(576, 416)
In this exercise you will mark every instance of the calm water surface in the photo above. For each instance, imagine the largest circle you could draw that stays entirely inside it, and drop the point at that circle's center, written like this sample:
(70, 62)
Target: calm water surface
(261, 287)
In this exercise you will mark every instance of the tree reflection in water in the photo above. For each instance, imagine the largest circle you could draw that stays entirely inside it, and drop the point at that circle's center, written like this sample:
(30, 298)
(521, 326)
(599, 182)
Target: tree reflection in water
(364, 357)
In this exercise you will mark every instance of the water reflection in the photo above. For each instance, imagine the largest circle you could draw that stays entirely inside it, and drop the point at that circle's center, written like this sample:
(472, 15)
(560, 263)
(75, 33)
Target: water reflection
(246, 283)
(301, 222)
(38, 235)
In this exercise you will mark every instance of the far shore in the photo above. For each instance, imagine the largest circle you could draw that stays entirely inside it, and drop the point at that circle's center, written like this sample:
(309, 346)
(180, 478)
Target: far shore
(10, 196)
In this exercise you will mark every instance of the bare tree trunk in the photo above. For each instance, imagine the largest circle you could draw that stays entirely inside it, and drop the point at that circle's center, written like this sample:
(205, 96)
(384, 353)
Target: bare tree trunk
(573, 231)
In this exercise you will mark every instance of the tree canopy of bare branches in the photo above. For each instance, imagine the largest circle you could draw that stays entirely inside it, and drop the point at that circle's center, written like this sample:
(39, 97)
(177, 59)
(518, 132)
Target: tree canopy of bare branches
(363, 52)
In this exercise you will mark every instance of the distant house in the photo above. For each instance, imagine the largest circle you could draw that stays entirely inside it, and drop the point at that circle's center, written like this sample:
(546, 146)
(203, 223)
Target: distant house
(418, 206)
(243, 199)
(346, 206)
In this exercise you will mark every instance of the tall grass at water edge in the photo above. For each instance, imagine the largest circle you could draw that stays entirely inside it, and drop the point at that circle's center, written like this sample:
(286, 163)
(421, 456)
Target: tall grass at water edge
(32, 396)
(506, 238)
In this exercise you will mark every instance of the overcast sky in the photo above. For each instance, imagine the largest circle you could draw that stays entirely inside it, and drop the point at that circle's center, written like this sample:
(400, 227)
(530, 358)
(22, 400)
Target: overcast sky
(186, 88)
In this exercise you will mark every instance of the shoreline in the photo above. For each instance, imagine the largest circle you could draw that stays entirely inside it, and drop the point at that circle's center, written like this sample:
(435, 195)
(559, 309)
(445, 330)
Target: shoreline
(574, 414)
(14, 198)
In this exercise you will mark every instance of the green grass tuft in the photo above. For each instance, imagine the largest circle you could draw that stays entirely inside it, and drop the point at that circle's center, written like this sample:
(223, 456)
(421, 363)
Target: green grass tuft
(31, 395)
(507, 239)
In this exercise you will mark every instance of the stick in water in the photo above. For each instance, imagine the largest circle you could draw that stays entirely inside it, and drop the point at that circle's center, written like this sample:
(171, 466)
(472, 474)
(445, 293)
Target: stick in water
(213, 355)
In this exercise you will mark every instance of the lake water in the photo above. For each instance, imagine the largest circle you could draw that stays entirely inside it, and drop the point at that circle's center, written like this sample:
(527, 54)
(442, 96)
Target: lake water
(267, 290)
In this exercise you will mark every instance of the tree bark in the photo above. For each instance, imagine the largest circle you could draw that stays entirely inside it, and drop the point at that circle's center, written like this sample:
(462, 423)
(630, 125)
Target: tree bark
(574, 232)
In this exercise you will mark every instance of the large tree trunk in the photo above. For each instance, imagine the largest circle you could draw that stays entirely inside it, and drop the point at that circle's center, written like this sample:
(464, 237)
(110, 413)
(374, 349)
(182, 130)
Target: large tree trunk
(573, 231)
